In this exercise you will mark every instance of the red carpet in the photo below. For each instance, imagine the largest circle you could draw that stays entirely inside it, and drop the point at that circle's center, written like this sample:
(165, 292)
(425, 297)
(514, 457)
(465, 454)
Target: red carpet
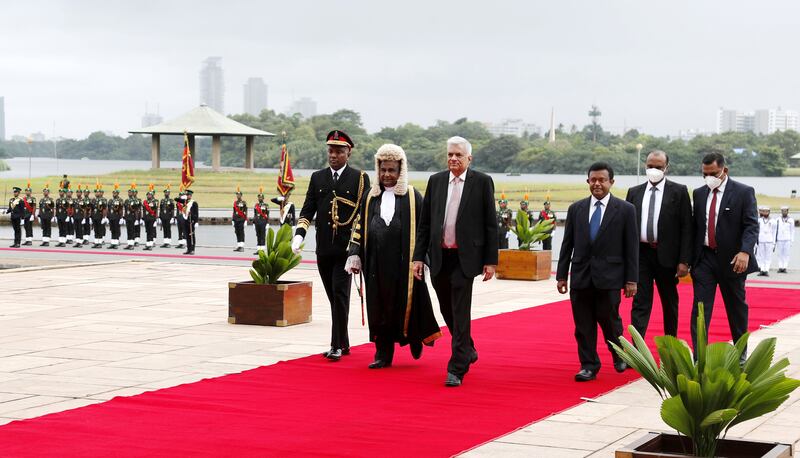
(310, 407)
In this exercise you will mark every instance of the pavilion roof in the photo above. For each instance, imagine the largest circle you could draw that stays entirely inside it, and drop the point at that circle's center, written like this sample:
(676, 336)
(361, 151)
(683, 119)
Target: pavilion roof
(202, 120)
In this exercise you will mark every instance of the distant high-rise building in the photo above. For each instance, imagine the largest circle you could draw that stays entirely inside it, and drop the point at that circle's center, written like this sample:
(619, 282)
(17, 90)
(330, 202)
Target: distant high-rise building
(306, 106)
(770, 121)
(2, 118)
(735, 121)
(212, 85)
(151, 119)
(515, 127)
(255, 96)
(37, 137)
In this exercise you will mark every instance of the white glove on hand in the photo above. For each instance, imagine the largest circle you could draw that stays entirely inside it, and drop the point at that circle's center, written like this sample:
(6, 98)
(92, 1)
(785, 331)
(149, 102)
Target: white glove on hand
(233, 223)
(53, 220)
(122, 221)
(296, 242)
(83, 221)
(136, 223)
(32, 217)
(196, 225)
(104, 221)
(158, 222)
(353, 265)
(245, 223)
(172, 221)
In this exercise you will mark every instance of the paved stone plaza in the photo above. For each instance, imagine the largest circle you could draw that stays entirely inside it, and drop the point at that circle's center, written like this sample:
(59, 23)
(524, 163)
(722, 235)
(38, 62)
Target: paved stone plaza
(74, 336)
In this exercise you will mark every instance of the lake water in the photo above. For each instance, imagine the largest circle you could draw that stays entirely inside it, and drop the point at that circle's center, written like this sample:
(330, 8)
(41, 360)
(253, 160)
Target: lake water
(39, 166)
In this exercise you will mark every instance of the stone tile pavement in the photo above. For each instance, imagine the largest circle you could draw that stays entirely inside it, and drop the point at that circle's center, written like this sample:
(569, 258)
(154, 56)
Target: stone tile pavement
(71, 337)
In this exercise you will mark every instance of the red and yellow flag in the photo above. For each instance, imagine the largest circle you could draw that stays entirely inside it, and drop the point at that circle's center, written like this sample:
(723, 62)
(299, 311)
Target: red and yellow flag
(286, 177)
(187, 169)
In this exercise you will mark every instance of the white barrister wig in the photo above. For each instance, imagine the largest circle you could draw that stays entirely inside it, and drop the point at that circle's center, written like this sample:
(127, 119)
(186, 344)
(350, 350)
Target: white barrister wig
(390, 152)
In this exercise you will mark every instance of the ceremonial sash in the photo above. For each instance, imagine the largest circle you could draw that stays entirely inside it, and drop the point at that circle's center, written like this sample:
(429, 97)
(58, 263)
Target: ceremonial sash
(545, 215)
(147, 207)
(28, 206)
(238, 212)
(180, 207)
(258, 209)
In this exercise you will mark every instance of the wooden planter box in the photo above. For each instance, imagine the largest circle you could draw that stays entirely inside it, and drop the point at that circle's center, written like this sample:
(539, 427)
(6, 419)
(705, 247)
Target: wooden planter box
(283, 304)
(665, 445)
(524, 265)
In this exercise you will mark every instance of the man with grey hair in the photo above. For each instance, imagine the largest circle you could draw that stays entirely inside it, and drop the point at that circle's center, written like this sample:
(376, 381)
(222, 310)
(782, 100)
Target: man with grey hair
(457, 236)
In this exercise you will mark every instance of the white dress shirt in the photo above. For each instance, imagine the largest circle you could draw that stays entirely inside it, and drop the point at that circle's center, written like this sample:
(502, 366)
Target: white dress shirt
(339, 172)
(720, 192)
(387, 205)
(785, 229)
(646, 209)
(463, 178)
(603, 207)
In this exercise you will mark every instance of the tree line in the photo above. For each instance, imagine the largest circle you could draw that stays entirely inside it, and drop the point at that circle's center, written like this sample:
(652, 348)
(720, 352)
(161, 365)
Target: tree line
(572, 152)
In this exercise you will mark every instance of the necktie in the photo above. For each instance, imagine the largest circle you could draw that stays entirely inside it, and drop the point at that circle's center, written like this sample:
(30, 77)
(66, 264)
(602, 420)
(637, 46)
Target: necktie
(651, 213)
(335, 178)
(452, 213)
(594, 223)
(712, 222)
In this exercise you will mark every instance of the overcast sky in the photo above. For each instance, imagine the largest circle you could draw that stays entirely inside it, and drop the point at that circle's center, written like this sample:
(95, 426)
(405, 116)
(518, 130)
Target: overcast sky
(88, 66)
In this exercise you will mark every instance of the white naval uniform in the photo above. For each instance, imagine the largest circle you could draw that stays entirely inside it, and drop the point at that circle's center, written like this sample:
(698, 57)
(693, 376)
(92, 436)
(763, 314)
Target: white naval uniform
(766, 242)
(785, 239)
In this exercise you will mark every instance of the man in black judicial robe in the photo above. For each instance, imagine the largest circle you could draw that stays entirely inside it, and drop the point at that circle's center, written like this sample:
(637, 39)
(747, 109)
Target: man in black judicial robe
(382, 246)
(334, 195)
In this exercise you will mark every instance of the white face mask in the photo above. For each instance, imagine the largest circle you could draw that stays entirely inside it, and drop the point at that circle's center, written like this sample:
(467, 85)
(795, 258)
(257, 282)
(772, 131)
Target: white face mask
(713, 182)
(654, 175)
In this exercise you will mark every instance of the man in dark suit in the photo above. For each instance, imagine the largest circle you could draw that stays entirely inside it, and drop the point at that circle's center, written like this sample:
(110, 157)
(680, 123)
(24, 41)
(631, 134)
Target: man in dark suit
(601, 248)
(457, 238)
(664, 215)
(334, 195)
(725, 237)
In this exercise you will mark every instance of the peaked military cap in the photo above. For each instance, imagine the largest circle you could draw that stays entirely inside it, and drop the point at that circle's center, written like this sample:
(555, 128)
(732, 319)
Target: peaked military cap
(338, 137)
(16, 189)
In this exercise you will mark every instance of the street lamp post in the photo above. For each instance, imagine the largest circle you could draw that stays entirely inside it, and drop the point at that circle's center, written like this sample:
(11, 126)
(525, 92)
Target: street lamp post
(639, 147)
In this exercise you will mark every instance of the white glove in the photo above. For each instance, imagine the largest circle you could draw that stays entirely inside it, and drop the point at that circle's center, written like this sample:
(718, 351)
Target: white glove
(158, 222)
(32, 217)
(245, 223)
(196, 224)
(172, 221)
(296, 242)
(53, 220)
(22, 221)
(122, 221)
(104, 220)
(353, 265)
(83, 221)
(141, 222)
(233, 223)
(136, 223)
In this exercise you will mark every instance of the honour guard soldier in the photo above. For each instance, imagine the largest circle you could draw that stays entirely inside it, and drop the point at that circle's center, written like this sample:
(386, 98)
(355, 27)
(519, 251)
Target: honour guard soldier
(504, 221)
(16, 208)
(71, 215)
(137, 228)
(335, 196)
(767, 234)
(29, 202)
(545, 215)
(61, 217)
(260, 220)
(286, 213)
(64, 183)
(191, 220)
(99, 217)
(87, 214)
(150, 207)
(239, 219)
(785, 239)
(523, 207)
(180, 221)
(115, 214)
(133, 208)
(77, 216)
(166, 216)
(47, 208)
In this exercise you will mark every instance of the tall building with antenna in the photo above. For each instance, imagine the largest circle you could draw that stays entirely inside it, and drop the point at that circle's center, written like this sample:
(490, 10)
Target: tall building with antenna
(151, 119)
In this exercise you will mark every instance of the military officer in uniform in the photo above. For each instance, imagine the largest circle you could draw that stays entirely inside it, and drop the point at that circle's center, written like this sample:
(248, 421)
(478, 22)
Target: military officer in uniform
(61, 217)
(523, 207)
(115, 214)
(133, 208)
(46, 215)
(87, 214)
(16, 208)
(260, 220)
(784, 239)
(286, 212)
(191, 218)
(71, 216)
(137, 227)
(334, 195)
(166, 216)
(180, 221)
(504, 221)
(99, 217)
(239, 219)
(150, 212)
(29, 202)
(545, 215)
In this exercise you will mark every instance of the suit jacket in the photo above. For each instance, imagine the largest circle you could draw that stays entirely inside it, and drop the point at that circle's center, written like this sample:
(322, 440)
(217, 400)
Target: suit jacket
(675, 226)
(350, 187)
(612, 259)
(737, 224)
(476, 227)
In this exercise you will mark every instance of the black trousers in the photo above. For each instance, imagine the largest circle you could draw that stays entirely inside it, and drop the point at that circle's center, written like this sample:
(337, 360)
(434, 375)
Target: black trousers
(454, 291)
(706, 275)
(114, 227)
(337, 287)
(17, 230)
(99, 227)
(28, 226)
(150, 228)
(593, 307)
(181, 225)
(63, 229)
(166, 228)
(137, 231)
(191, 236)
(650, 270)
(238, 228)
(384, 348)
(47, 225)
(130, 228)
(547, 244)
(77, 225)
(261, 232)
(87, 225)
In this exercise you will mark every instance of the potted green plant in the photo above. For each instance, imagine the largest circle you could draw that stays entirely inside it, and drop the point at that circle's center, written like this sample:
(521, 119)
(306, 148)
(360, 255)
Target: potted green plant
(266, 300)
(704, 397)
(524, 263)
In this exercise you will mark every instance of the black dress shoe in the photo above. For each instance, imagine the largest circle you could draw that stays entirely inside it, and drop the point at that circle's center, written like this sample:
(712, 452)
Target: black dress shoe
(97, 245)
(335, 354)
(15, 245)
(189, 252)
(45, 244)
(165, 245)
(112, 247)
(77, 245)
(585, 375)
(69, 242)
(345, 351)
(27, 244)
(473, 358)
(129, 247)
(416, 349)
(60, 244)
(238, 249)
(620, 366)
(452, 380)
(379, 364)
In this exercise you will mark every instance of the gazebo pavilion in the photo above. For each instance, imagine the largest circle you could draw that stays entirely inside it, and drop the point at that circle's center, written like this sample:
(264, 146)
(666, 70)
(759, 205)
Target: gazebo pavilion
(203, 121)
